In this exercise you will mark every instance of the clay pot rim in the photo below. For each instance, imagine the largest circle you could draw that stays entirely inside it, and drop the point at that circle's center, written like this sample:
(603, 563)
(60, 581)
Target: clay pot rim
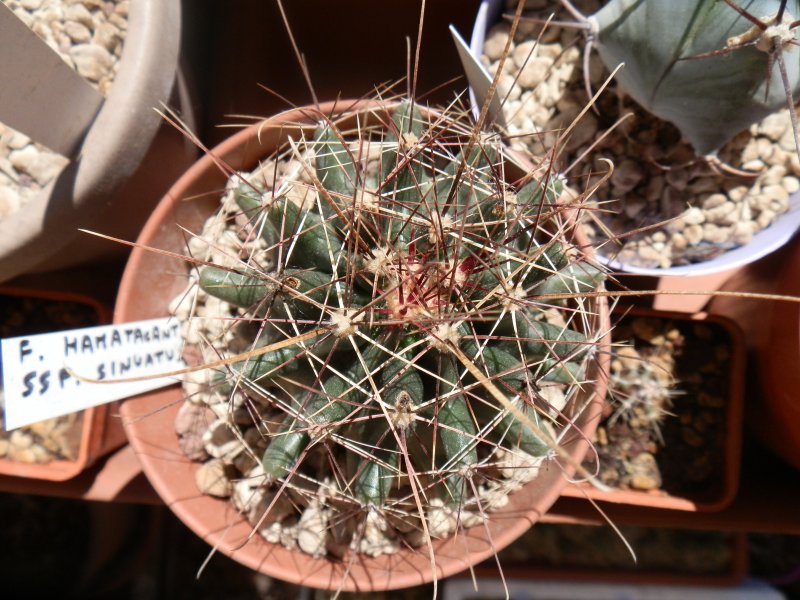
(162, 465)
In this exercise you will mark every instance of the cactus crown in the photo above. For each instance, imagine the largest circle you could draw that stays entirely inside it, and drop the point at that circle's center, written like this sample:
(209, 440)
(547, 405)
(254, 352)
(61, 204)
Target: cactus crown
(711, 68)
(397, 279)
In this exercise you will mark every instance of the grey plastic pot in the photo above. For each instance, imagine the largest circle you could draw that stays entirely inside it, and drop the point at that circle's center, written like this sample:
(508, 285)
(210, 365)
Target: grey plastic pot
(120, 169)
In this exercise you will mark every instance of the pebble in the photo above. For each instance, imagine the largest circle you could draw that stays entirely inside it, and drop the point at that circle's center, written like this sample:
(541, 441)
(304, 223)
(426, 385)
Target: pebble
(91, 61)
(496, 42)
(709, 205)
(626, 176)
(77, 32)
(311, 530)
(9, 201)
(191, 423)
(694, 216)
(212, 479)
(533, 73)
(644, 472)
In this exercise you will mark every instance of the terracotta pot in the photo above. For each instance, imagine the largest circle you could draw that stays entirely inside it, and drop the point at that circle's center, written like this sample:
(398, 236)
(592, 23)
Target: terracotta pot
(151, 280)
(100, 432)
(772, 330)
(777, 417)
(712, 498)
(125, 162)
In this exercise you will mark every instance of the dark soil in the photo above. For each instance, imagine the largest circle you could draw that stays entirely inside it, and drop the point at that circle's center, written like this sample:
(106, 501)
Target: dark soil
(688, 443)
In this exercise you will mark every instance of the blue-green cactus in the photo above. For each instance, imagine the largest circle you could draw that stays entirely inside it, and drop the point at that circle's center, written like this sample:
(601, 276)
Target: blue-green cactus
(437, 261)
(701, 64)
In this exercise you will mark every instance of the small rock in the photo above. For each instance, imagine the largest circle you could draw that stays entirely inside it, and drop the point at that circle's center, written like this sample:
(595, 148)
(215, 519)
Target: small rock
(743, 232)
(20, 440)
(523, 53)
(534, 72)
(693, 234)
(649, 254)
(678, 178)
(644, 472)
(23, 455)
(774, 175)
(92, 4)
(765, 218)
(79, 14)
(496, 42)
(22, 159)
(18, 140)
(715, 234)
(791, 184)
(46, 166)
(30, 5)
(92, 61)
(774, 126)
(211, 479)
(713, 201)
(107, 36)
(245, 497)
(678, 241)
(9, 201)
(551, 50)
(693, 216)
(755, 166)
(118, 20)
(778, 196)
(311, 530)
(765, 149)
(77, 32)
(507, 88)
(737, 194)
(626, 176)
(722, 213)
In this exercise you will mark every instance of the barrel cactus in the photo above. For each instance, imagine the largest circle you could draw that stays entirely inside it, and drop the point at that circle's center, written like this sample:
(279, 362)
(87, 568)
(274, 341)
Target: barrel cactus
(710, 67)
(417, 332)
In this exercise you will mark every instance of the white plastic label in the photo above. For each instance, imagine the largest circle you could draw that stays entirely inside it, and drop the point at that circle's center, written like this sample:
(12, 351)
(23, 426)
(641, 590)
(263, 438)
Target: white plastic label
(38, 370)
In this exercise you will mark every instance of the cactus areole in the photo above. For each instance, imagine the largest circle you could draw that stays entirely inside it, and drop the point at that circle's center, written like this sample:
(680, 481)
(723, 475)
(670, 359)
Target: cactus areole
(700, 64)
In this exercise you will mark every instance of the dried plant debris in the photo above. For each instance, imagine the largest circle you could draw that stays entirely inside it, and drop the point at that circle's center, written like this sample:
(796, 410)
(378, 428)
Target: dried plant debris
(687, 210)
(57, 438)
(669, 389)
(416, 290)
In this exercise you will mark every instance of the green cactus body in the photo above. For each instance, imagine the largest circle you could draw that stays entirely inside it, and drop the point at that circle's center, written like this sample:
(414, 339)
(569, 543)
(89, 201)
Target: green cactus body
(709, 99)
(405, 286)
(457, 431)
